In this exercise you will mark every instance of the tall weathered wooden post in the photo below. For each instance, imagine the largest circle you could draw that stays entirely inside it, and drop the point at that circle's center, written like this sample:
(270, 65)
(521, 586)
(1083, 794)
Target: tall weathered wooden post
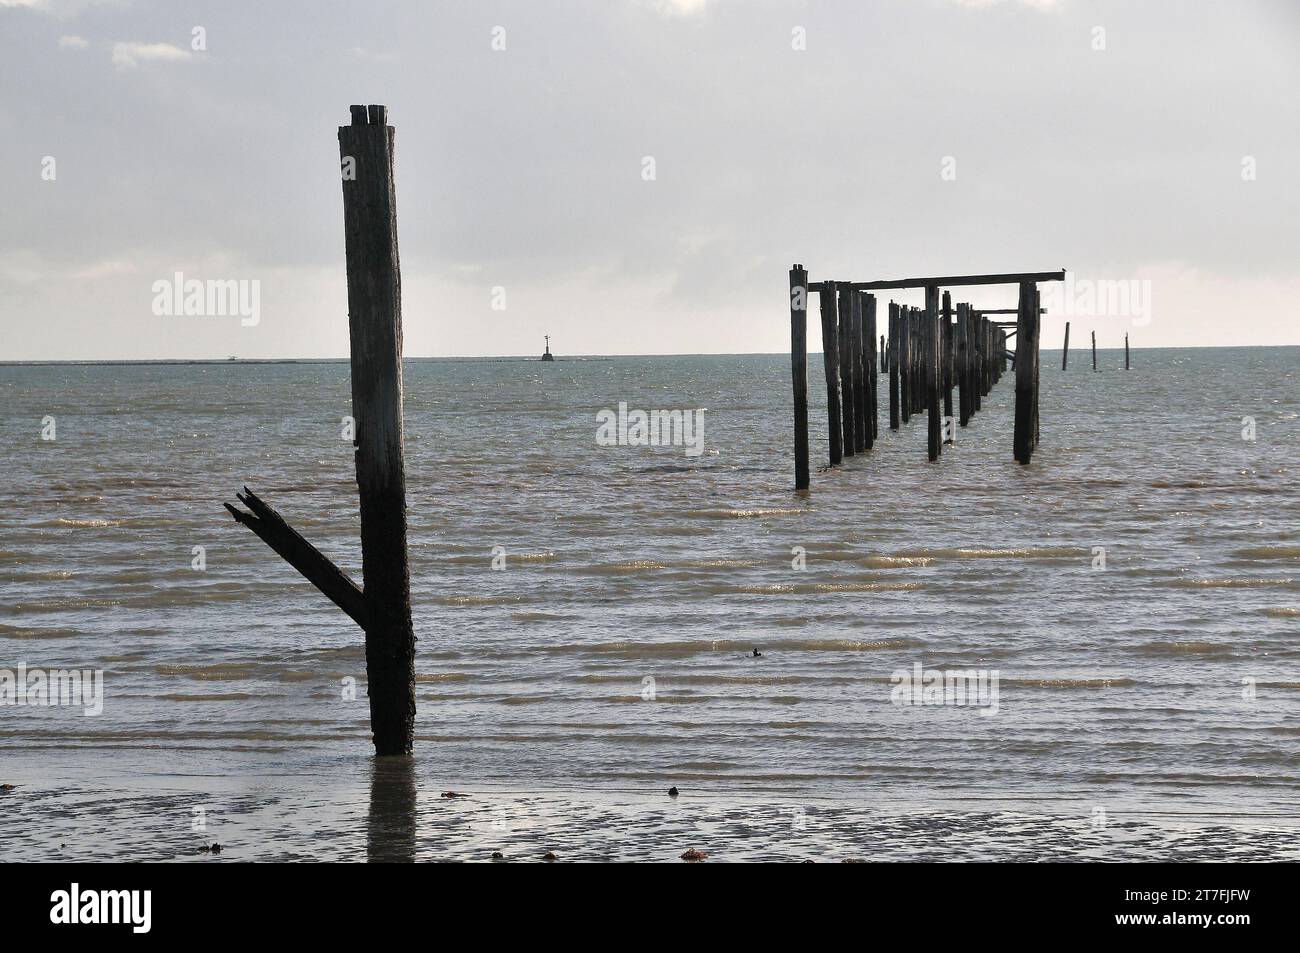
(893, 366)
(375, 331)
(1065, 349)
(960, 358)
(799, 371)
(382, 607)
(1094, 350)
(869, 362)
(1125, 350)
(933, 372)
(861, 370)
(946, 338)
(847, 378)
(905, 363)
(1025, 435)
(831, 363)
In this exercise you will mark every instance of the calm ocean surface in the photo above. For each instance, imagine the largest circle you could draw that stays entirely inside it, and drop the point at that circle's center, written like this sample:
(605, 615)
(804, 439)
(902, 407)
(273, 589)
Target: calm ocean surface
(1128, 687)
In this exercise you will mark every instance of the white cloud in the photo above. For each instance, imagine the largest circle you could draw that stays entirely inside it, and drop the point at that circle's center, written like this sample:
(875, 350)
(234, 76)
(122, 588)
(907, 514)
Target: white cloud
(129, 55)
(71, 42)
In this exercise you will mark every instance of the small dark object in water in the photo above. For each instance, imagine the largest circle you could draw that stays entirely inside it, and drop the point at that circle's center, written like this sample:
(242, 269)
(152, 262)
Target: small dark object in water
(549, 855)
(757, 654)
(210, 849)
(693, 855)
(672, 792)
(7, 787)
(451, 794)
(215, 848)
(497, 855)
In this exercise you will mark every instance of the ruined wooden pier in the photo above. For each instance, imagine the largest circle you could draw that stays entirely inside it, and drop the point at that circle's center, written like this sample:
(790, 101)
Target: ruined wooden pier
(929, 352)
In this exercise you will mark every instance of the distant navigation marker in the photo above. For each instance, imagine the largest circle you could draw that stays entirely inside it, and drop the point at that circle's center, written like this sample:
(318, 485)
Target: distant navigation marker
(547, 355)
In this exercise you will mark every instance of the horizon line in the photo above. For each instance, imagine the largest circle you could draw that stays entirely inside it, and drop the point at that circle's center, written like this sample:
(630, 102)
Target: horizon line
(526, 359)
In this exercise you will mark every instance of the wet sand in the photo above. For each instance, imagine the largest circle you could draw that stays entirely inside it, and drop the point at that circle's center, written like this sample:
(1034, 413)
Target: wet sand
(362, 810)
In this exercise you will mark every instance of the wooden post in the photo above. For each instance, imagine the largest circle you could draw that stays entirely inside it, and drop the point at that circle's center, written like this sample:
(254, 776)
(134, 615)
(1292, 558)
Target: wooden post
(884, 355)
(933, 372)
(382, 607)
(905, 363)
(869, 368)
(1094, 350)
(1034, 358)
(1125, 350)
(990, 356)
(1026, 372)
(921, 337)
(946, 342)
(849, 398)
(799, 371)
(893, 366)
(859, 371)
(1065, 349)
(959, 365)
(831, 363)
(375, 330)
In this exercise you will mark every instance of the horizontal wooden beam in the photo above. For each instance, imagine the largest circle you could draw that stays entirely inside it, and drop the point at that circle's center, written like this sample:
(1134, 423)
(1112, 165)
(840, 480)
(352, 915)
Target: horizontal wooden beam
(949, 281)
(1003, 311)
(315, 567)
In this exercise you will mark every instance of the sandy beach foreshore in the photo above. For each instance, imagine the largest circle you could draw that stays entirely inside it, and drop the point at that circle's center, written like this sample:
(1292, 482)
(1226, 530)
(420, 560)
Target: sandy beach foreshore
(391, 814)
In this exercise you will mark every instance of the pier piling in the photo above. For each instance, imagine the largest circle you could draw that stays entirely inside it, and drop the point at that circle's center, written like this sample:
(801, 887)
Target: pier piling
(893, 366)
(853, 401)
(831, 363)
(1025, 435)
(799, 371)
(848, 402)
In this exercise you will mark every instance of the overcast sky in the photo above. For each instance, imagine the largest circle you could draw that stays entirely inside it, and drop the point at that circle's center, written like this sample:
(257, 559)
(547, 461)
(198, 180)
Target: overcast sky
(909, 138)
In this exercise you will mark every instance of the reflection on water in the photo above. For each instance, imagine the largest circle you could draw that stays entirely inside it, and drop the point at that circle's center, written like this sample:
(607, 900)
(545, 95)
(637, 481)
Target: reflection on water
(390, 822)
